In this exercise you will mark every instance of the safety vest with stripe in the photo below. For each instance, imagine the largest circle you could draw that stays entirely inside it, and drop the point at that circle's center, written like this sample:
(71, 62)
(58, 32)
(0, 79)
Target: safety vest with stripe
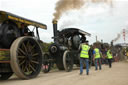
(84, 51)
(97, 53)
(109, 55)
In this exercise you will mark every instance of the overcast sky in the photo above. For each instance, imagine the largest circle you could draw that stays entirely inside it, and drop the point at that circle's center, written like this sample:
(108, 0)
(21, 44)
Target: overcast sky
(98, 19)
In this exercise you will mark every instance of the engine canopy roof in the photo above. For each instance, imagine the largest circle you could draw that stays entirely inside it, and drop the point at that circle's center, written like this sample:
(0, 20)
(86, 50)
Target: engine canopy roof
(18, 20)
(67, 32)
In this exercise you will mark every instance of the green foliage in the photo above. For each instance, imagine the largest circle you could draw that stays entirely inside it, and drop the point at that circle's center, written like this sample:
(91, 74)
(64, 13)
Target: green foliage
(45, 46)
(127, 49)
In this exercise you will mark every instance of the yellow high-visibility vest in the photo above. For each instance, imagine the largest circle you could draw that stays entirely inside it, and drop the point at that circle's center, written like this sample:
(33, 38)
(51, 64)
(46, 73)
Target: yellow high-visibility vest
(109, 55)
(84, 51)
(97, 53)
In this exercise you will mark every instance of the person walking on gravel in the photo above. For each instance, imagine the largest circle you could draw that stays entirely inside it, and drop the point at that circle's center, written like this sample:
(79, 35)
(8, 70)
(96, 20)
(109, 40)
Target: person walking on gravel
(84, 56)
(109, 57)
(97, 57)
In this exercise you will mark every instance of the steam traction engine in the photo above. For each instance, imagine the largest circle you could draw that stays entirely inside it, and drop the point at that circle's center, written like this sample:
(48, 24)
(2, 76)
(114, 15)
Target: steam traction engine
(64, 50)
(20, 52)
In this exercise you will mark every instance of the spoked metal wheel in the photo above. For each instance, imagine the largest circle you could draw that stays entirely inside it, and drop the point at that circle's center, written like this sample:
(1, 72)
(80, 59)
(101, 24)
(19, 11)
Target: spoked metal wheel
(67, 61)
(5, 76)
(46, 66)
(26, 57)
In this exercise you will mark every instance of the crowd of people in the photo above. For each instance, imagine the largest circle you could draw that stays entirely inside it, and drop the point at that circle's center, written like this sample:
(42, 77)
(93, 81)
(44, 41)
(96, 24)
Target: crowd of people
(97, 56)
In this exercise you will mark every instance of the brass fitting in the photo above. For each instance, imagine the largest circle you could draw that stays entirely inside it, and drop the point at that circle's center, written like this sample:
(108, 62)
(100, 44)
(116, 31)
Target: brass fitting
(54, 21)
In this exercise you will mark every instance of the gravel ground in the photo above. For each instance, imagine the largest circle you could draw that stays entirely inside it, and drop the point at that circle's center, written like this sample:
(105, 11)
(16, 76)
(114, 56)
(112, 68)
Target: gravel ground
(117, 75)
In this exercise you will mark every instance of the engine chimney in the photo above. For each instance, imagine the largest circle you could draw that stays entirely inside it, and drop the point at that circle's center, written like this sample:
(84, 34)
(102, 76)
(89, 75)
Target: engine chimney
(55, 29)
(112, 43)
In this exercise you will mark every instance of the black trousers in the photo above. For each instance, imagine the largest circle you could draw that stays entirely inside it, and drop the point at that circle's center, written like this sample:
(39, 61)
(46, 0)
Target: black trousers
(110, 63)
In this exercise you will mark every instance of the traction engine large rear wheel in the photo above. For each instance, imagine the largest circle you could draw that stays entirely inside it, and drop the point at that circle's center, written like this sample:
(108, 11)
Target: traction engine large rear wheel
(26, 57)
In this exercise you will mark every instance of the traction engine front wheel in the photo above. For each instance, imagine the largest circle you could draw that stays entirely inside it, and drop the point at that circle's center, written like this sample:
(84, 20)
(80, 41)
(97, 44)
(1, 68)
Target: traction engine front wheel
(68, 61)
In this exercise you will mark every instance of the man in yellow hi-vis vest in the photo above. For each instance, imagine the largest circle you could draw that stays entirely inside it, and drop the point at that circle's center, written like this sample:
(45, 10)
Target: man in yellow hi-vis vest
(97, 57)
(84, 56)
(109, 57)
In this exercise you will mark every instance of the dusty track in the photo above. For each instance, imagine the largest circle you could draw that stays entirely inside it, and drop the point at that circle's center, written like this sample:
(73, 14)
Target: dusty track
(117, 75)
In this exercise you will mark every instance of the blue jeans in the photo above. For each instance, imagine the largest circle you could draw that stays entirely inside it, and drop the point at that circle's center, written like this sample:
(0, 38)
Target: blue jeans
(110, 63)
(98, 60)
(82, 60)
